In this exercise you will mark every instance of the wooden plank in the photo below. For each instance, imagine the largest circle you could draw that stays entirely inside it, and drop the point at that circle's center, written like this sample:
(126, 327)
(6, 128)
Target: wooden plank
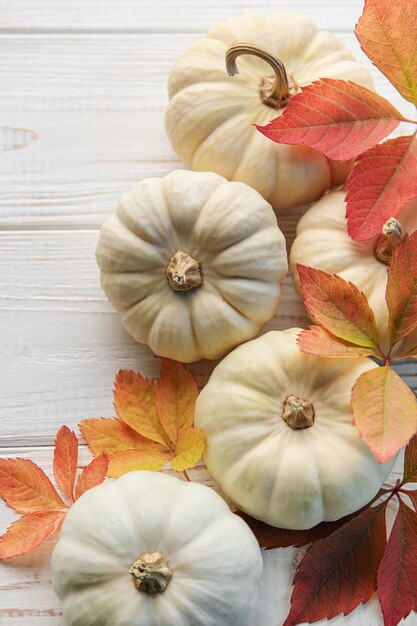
(87, 113)
(61, 341)
(27, 596)
(164, 15)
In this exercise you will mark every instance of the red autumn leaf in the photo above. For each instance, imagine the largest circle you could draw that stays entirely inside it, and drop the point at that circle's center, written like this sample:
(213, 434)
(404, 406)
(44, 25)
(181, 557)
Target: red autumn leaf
(397, 576)
(339, 306)
(26, 488)
(387, 32)
(385, 411)
(93, 474)
(134, 400)
(66, 460)
(270, 537)
(410, 462)
(382, 182)
(315, 340)
(338, 118)
(29, 532)
(176, 395)
(339, 572)
(401, 293)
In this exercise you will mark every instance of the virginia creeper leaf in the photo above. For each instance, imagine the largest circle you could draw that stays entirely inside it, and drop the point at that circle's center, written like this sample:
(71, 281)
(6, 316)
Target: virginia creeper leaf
(339, 306)
(339, 572)
(189, 449)
(397, 576)
(110, 435)
(382, 182)
(26, 488)
(66, 460)
(270, 537)
(384, 411)
(401, 293)
(93, 474)
(315, 340)
(130, 460)
(29, 532)
(338, 118)
(176, 394)
(387, 32)
(410, 462)
(134, 400)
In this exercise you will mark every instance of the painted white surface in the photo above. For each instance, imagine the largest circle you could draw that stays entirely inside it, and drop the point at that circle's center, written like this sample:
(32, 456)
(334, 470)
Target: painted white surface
(82, 94)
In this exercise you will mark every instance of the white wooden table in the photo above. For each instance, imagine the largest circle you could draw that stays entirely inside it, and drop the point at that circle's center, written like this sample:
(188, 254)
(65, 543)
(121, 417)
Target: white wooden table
(82, 94)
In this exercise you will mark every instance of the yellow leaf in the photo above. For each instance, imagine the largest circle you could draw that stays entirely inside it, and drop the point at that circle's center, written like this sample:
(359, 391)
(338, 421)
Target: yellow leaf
(176, 395)
(385, 411)
(134, 399)
(189, 449)
(130, 460)
(110, 435)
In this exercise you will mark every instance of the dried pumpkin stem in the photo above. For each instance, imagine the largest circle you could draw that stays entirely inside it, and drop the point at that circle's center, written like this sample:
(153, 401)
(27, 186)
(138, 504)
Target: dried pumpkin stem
(392, 233)
(151, 573)
(183, 272)
(297, 413)
(275, 90)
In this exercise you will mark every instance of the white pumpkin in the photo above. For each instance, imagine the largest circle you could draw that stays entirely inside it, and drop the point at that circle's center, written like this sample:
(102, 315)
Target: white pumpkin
(193, 263)
(210, 117)
(280, 437)
(151, 550)
(323, 242)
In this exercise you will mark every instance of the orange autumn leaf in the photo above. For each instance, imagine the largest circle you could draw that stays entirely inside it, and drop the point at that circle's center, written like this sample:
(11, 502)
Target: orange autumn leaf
(29, 532)
(134, 400)
(154, 425)
(339, 118)
(66, 460)
(387, 32)
(176, 395)
(92, 475)
(384, 411)
(317, 341)
(26, 488)
(129, 460)
(189, 449)
(110, 435)
(401, 293)
(339, 306)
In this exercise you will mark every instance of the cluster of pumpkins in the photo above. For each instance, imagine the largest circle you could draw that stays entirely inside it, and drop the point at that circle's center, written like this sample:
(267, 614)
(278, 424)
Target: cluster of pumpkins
(193, 263)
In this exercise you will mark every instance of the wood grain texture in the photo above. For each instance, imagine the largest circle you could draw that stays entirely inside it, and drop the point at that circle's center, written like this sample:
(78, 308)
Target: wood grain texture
(95, 105)
(164, 15)
(61, 341)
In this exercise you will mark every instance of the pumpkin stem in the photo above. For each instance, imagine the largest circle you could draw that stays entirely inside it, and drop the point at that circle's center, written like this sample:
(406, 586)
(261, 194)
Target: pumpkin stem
(151, 573)
(392, 233)
(297, 413)
(275, 90)
(183, 272)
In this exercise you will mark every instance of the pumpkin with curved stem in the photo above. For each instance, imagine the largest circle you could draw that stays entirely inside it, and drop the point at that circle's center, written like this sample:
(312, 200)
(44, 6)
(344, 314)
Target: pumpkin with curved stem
(210, 117)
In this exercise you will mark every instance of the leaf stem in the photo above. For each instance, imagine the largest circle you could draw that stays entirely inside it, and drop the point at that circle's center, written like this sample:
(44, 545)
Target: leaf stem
(186, 476)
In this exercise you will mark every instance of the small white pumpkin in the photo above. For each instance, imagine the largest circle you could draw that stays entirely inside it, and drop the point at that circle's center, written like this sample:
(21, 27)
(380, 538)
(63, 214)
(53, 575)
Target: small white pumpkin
(193, 263)
(280, 437)
(323, 242)
(210, 118)
(151, 550)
